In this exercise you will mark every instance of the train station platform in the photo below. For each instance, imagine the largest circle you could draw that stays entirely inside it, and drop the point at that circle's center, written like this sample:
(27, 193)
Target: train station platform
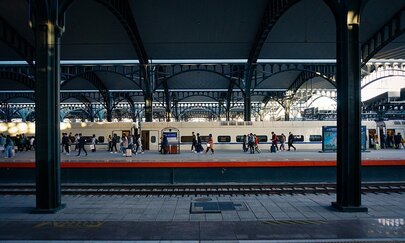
(204, 218)
(302, 155)
(251, 218)
(225, 166)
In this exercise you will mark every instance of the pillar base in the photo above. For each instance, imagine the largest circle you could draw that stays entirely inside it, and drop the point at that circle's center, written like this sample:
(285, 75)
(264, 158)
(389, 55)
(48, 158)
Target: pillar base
(349, 209)
(48, 211)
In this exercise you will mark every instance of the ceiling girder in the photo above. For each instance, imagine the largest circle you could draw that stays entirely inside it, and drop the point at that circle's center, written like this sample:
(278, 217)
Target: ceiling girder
(393, 28)
(14, 40)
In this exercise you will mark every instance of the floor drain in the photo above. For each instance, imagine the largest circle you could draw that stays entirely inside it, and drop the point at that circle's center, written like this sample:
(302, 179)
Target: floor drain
(216, 207)
(203, 199)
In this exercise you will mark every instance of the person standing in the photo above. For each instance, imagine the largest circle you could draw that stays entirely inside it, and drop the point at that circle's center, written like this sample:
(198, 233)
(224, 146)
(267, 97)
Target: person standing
(9, 145)
(80, 144)
(210, 144)
(199, 148)
(194, 142)
(291, 141)
(124, 144)
(398, 140)
(251, 143)
(115, 140)
(256, 138)
(244, 143)
(76, 141)
(2, 143)
(109, 141)
(138, 143)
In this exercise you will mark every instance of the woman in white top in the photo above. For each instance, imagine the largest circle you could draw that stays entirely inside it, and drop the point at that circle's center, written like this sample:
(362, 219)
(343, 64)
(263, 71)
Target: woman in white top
(93, 143)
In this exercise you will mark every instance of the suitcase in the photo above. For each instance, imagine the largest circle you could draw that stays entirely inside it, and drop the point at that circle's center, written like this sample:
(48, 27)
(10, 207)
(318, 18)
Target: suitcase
(128, 153)
(273, 148)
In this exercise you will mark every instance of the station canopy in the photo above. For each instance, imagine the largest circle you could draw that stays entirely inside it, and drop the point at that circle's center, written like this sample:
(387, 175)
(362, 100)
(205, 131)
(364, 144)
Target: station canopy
(188, 32)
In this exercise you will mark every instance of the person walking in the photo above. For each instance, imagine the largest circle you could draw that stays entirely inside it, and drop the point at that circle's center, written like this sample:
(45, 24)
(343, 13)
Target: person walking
(80, 144)
(93, 143)
(282, 142)
(244, 143)
(210, 144)
(291, 141)
(274, 140)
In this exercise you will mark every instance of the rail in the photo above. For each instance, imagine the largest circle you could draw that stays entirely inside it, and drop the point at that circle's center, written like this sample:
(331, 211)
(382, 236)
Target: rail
(219, 189)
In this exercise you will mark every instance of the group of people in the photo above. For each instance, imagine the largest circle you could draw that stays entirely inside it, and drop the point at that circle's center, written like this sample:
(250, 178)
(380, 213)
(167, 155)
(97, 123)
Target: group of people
(128, 145)
(387, 141)
(197, 147)
(78, 140)
(10, 145)
(282, 139)
(250, 142)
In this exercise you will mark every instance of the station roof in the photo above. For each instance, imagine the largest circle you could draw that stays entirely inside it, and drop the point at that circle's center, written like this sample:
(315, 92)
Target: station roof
(199, 30)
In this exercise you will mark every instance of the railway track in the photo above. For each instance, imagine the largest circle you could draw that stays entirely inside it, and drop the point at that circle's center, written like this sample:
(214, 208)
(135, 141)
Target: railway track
(219, 189)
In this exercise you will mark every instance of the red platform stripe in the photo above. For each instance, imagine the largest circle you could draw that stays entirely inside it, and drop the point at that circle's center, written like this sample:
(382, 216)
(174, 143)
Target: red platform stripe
(230, 164)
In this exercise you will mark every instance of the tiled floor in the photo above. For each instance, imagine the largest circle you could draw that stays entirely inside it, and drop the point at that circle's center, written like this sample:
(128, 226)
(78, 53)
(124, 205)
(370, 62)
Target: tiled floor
(274, 217)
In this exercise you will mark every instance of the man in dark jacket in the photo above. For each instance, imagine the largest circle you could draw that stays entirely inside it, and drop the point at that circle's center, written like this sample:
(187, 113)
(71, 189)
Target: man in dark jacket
(81, 144)
(290, 141)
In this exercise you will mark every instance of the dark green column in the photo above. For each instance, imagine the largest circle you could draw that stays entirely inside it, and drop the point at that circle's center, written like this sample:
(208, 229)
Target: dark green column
(348, 191)
(247, 102)
(287, 109)
(148, 96)
(47, 153)
(109, 106)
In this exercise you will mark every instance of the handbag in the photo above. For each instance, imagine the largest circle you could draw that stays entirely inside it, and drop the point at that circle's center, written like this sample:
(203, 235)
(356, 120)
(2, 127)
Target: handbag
(208, 145)
(91, 146)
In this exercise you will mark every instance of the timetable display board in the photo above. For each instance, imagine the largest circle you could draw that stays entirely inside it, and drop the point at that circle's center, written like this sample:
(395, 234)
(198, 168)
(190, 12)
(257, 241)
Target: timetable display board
(329, 138)
(171, 136)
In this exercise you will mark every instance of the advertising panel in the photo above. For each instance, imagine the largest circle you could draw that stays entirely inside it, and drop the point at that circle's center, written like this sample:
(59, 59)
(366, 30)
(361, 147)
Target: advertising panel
(329, 141)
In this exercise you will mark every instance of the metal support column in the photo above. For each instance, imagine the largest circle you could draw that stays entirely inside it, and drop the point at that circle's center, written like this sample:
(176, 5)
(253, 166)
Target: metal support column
(247, 95)
(148, 97)
(287, 109)
(109, 106)
(168, 113)
(348, 188)
(47, 106)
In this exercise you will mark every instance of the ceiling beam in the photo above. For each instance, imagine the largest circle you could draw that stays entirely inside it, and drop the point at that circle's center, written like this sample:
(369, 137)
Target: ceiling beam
(122, 10)
(274, 10)
(10, 36)
(392, 29)
(18, 77)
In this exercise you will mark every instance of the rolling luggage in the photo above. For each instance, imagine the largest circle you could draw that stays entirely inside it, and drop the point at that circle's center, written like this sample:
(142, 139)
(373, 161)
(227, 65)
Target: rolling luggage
(273, 148)
(128, 153)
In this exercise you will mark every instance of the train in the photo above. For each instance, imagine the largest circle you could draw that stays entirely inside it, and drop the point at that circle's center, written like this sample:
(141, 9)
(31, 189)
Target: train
(227, 135)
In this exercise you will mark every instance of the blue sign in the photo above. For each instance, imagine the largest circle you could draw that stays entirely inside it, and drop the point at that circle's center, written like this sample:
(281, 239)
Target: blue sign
(170, 134)
(329, 141)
